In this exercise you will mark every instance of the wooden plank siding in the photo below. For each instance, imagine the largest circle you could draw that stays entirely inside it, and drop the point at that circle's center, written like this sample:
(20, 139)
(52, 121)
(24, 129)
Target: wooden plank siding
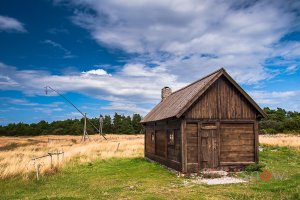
(206, 106)
(174, 151)
(160, 141)
(191, 131)
(159, 150)
(183, 146)
(237, 143)
(149, 144)
(222, 101)
(224, 107)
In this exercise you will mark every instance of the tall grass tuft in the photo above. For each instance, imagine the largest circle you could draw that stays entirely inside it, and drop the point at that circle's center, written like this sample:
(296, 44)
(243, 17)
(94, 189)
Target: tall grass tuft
(281, 140)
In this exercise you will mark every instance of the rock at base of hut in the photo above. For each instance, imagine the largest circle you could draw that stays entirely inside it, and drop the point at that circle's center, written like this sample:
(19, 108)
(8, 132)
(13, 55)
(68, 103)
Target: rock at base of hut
(219, 181)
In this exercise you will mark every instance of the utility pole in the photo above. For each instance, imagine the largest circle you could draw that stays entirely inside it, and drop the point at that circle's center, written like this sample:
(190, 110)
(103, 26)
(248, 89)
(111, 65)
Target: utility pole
(85, 134)
(100, 124)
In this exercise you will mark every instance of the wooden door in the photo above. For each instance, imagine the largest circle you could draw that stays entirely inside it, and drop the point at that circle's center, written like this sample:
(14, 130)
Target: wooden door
(209, 147)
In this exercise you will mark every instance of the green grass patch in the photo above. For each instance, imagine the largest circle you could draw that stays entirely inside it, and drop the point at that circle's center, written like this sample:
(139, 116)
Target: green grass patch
(136, 178)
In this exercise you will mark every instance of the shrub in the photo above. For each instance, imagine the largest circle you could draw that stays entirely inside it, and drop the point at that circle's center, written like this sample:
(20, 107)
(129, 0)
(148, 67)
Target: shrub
(255, 167)
(211, 175)
(268, 131)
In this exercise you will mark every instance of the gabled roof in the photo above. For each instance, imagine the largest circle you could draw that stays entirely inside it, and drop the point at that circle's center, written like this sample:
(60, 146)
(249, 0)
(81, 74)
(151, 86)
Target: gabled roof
(179, 101)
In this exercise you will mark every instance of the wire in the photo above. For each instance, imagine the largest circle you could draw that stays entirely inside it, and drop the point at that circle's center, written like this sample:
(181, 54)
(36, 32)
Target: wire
(75, 108)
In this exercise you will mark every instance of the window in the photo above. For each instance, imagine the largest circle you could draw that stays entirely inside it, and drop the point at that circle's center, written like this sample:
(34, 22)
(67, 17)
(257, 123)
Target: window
(152, 137)
(171, 137)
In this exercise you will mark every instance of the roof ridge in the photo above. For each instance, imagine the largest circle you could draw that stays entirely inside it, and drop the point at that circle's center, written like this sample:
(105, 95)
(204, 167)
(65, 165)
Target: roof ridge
(221, 69)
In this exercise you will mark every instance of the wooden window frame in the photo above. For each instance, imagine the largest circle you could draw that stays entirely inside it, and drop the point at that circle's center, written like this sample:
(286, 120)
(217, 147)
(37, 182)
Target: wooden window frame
(171, 140)
(152, 137)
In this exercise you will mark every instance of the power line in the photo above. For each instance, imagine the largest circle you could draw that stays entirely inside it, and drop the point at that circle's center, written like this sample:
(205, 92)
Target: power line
(83, 114)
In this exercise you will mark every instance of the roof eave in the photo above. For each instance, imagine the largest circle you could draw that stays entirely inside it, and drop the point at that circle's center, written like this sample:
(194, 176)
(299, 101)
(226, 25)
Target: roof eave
(149, 121)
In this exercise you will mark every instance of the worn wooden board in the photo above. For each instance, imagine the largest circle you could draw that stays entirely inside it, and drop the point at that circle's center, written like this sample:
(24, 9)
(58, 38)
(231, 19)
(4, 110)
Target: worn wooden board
(222, 101)
(174, 151)
(237, 142)
(149, 144)
(209, 147)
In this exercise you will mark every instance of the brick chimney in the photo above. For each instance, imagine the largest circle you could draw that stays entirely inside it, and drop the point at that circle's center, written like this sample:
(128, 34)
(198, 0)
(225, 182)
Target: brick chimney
(165, 92)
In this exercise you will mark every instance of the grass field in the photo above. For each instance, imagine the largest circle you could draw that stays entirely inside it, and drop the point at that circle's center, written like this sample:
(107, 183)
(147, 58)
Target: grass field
(292, 141)
(16, 152)
(126, 175)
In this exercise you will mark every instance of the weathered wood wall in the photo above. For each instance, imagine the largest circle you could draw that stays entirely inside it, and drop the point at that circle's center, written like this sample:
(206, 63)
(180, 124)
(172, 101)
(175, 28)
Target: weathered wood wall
(237, 143)
(174, 151)
(159, 149)
(160, 143)
(233, 142)
(191, 132)
(149, 145)
(222, 101)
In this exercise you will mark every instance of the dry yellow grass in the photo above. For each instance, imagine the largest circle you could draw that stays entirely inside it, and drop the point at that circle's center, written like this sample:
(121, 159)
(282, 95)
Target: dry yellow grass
(281, 140)
(16, 152)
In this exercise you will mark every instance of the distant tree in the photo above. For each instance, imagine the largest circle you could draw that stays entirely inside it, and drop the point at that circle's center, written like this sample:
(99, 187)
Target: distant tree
(280, 120)
(126, 125)
(136, 123)
(117, 120)
(107, 125)
(42, 127)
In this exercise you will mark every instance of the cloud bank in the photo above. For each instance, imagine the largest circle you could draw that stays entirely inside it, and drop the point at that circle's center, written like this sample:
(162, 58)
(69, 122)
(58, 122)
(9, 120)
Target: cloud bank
(194, 36)
(126, 87)
(11, 24)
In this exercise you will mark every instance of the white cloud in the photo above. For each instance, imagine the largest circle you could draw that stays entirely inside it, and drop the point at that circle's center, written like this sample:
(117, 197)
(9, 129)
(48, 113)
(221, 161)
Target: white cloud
(141, 70)
(28, 104)
(67, 53)
(125, 90)
(97, 72)
(11, 24)
(128, 107)
(120, 88)
(292, 68)
(283, 99)
(198, 37)
(24, 105)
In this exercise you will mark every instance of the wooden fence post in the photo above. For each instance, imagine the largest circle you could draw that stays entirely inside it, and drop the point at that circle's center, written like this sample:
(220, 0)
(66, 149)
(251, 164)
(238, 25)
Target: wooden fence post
(51, 154)
(57, 158)
(37, 166)
(51, 160)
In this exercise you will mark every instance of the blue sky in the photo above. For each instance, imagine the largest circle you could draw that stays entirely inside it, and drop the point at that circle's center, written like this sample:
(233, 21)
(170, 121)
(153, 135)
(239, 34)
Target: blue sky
(115, 56)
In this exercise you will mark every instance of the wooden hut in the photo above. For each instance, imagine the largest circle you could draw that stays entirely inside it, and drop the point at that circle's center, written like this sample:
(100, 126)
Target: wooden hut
(210, 124)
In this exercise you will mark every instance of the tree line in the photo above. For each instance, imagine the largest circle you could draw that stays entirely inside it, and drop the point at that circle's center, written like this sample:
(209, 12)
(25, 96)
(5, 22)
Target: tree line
(119, 124)
(280, 121)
